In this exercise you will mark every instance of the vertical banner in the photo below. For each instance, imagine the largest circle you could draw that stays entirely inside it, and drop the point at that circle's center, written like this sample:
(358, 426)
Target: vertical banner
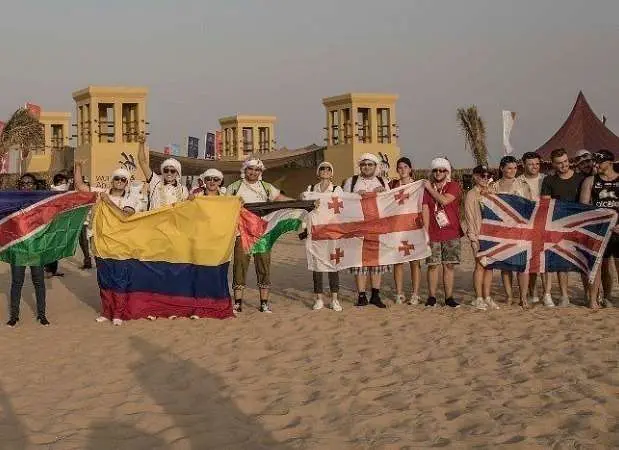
(34, 110)
(210, 146)
(176, 150)
(193, 146)
(219, 146)
(509, 117)
(167, 150)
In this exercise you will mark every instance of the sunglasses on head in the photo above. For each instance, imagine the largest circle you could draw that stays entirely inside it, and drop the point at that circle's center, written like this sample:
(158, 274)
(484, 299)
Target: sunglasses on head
(123, 179)
(168, 170)
(440, 170)
(212, 179)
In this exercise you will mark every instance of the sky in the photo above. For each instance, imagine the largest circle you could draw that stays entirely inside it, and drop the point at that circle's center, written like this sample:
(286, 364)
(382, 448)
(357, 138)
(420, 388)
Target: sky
(202, 60)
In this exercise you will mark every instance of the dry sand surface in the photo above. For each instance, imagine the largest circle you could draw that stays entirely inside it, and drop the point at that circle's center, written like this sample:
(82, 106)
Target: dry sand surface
(398, 378)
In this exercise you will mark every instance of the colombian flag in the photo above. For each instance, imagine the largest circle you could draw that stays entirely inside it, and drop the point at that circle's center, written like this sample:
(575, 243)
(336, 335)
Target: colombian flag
(169, 262)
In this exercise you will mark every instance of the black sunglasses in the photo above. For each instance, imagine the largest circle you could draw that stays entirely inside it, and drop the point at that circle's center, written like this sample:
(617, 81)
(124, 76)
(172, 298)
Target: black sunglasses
(166, 170)
(440, 170)
(324, 168)
(212, 179)
(367, 164)
(123, 179)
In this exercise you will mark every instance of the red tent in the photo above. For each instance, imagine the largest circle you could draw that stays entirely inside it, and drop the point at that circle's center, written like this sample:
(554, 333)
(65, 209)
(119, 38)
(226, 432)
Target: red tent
(582, 130)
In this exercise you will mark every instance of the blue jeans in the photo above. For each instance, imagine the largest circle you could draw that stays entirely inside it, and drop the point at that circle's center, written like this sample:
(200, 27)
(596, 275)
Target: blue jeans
(18, 274)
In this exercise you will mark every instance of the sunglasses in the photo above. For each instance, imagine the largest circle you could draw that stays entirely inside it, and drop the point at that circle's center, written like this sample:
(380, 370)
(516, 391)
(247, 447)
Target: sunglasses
(212, 179)
(369, 164)
(28, 183)
(256, 169)
(485, 176)
(440, 170)
(166, 170)
(324, 168)
(123, 179)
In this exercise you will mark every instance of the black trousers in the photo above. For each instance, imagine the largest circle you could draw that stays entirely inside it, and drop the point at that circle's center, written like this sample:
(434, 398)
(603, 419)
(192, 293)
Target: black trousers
(334, 282)
(18, 274)
(84, 243)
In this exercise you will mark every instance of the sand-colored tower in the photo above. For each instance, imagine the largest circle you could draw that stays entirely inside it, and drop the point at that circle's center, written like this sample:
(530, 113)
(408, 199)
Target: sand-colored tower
(56, 131)
(243, 135)
(109, 121)
(359, 123)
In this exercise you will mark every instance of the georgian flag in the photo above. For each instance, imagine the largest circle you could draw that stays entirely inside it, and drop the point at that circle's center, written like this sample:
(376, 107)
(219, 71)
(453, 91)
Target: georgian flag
(350, 230)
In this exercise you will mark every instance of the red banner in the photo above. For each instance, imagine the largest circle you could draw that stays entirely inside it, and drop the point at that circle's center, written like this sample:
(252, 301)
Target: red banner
(34, 110)
(218, 145)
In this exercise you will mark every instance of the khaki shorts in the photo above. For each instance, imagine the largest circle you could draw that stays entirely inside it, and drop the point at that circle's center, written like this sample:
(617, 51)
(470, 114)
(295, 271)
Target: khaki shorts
(262, 264)
(444, 252)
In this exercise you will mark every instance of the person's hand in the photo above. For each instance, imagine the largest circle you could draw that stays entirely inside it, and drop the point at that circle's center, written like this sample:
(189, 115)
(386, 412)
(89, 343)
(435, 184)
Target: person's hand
(316, 203)
(380, 189)
(475, 246)
(141, 138)
(427, 184)
(362, 192)
(191, 196)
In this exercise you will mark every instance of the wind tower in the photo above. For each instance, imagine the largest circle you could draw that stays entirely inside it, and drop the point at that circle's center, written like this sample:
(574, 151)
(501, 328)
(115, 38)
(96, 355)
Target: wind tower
(109, 121)
(358, 123)
(243, 135)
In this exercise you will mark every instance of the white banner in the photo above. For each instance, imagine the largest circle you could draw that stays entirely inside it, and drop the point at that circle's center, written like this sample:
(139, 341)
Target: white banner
(349, 230)
(509, 117)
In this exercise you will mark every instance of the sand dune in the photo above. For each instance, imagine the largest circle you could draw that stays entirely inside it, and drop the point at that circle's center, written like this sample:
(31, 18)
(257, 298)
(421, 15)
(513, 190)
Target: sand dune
(398, 378)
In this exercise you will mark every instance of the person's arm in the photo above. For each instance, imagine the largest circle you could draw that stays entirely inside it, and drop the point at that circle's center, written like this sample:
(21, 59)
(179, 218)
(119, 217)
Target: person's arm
(78, 180)
(545, 191)
(472, 219)
(126, 211)
(442, 199)
(143, 158)
(585, 191)
(425, 213)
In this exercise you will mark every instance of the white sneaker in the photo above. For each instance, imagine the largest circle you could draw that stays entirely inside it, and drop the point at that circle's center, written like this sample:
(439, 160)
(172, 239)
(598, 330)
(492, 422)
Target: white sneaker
(414, 300)
(479, 303)
(117, 322)
(194, 317)
(335, 305)
(101, 319)
(565, 302)
(151, 318)
(606, 303)
(265, 308)
(548, 301)
(399, 299)
(491, 303)
(533, 300)
(318, 304)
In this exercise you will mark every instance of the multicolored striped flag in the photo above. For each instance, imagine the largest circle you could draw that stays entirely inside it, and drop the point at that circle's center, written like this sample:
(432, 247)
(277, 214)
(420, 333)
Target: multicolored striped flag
(40, 227)
(258, 234)
(172, 261)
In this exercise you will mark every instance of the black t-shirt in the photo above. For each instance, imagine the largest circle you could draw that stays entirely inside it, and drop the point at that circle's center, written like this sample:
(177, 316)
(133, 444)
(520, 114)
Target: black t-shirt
(567, 190)
(605, 194)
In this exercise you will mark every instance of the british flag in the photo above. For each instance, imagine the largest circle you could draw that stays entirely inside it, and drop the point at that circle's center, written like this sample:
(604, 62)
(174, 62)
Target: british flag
(544, 236)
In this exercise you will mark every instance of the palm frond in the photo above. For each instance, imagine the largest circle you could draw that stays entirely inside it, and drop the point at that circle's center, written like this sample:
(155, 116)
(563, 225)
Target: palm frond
(24, 131)
(474, 130)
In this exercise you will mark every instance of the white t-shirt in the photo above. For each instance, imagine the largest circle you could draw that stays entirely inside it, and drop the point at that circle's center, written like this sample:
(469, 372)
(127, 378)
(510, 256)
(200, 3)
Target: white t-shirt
(331, 188)
(365, 184)
(122, 201)
(255, 192)
(535, 184)
(165, 194)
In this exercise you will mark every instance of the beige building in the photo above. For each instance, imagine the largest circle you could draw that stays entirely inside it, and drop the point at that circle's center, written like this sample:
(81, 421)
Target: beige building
(109, 121)
(359, 123)
(57, 135)
(243, 135)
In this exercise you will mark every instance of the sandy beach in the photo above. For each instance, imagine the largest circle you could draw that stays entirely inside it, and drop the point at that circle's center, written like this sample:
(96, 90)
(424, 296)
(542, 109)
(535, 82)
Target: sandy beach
(404, 377)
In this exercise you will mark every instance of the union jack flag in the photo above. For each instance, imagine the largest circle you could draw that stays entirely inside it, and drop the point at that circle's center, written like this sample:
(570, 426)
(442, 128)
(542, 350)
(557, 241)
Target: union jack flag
(544, 236)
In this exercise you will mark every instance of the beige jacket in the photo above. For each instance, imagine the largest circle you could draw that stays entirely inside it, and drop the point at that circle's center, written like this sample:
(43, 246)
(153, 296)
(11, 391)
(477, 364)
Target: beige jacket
(472, 213)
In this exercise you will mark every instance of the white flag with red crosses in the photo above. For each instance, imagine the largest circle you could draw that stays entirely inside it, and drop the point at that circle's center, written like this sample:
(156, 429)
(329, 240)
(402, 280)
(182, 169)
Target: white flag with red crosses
(350, 230)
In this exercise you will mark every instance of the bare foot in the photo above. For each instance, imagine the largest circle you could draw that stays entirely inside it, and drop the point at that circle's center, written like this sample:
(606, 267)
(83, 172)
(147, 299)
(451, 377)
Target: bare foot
(594, 305)
(524, 304)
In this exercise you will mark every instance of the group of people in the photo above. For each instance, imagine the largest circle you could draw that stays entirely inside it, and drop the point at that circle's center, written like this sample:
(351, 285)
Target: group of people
(595, 182)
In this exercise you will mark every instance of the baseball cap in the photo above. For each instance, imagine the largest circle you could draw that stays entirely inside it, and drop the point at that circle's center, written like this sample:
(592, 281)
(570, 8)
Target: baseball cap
(582, 155)
(480, 170)
(603, 155)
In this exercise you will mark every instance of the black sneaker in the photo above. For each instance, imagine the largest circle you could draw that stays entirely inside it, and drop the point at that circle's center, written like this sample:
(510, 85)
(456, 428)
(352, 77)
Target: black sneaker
(87, 265)
(238, 306)
(12, 322)
(265, 308)
(452, 303)
(376, 301)
(362, 300)
(431, 301)
(43, 320)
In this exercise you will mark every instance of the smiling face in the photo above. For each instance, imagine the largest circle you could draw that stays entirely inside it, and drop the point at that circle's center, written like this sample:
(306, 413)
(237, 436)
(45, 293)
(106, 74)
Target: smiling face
(325, 173)
(561, 164)
(531, 167)
(482, 179)
(252, 174)
(439, 174)
(509, 171)
(586, 166)
(119, 183)
(404, 171)
(169, 174)
(367, 168)
(212, 184)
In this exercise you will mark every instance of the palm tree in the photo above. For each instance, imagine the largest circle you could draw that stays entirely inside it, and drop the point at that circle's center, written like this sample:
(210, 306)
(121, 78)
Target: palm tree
(474, 130)
(22, 131)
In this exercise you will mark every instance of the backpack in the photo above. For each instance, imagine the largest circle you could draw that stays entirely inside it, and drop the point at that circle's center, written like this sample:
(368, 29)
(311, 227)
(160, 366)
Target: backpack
(234, 188)
(355, 178)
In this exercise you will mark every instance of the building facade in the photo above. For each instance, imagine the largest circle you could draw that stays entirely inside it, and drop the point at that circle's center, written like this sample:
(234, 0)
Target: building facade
(244, 135)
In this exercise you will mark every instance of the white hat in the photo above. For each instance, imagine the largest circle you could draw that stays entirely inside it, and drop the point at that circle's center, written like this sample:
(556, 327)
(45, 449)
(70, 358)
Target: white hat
(369, 157)
(252, 162)
(583, 154)
(121, 172)
(212, 172)
(324, 164)
(442, 163)
(171, 162)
